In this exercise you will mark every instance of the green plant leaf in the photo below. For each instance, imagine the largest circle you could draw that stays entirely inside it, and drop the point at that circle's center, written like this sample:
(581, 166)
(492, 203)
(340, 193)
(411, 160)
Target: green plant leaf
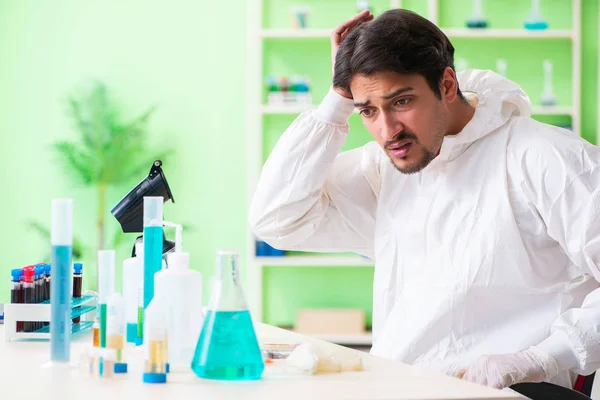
(77, 162)
(40, 229)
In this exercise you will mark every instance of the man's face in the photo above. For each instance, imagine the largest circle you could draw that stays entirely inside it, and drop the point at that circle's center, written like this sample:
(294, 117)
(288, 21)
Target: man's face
(404, 116)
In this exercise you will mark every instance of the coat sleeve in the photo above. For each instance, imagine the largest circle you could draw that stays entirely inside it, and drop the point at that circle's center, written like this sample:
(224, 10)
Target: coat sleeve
(561, 174)
(311, 197)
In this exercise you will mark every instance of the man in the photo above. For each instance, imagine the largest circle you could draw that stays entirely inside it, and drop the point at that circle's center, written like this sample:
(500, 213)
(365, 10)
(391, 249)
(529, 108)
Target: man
(484, 223)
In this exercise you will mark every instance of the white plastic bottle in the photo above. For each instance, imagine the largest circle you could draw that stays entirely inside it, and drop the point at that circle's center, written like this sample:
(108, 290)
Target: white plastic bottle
(181, 290)
(133, 279)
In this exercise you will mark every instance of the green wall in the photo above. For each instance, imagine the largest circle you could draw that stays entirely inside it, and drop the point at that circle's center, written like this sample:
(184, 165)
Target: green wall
(185, 56)
(188, 57)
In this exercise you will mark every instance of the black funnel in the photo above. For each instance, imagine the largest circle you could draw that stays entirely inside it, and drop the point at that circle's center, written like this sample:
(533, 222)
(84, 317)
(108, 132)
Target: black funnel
(130, 210)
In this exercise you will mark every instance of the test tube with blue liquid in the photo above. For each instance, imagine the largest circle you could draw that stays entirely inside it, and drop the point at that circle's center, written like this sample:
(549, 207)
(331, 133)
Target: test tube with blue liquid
(227, 348)
(61, 237)
(153, 243)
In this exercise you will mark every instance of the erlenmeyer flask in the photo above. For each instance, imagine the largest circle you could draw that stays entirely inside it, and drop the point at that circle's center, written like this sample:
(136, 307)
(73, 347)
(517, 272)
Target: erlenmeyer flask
(227, 348)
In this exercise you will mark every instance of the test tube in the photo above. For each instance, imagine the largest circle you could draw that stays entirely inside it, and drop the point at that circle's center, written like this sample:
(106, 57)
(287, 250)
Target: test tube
(61, 238)
(77, 282)
(36, 281)
(16, 290)
(155, 342)
(106, 287)
(42, 281)
(28, 295)
(48, 273)
(46, 285)
(133, 275)
(96, 332)
(116, 331)
(140, 318)
(153, 243)
(36, 296)
(41, 277)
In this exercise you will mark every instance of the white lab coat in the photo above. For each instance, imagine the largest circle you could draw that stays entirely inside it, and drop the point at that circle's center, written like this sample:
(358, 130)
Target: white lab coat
(492, 248)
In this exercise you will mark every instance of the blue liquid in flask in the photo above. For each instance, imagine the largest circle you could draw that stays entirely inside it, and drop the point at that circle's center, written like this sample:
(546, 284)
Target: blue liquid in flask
(228, 348)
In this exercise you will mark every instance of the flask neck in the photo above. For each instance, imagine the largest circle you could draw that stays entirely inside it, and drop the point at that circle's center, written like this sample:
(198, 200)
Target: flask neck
(227, 270)
(227, 292)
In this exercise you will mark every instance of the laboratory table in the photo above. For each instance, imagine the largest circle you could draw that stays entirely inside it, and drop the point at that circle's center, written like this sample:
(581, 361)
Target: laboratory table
(23, 376)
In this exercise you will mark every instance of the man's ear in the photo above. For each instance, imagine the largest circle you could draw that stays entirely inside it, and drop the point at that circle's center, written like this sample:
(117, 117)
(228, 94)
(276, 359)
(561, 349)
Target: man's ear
(449, 85)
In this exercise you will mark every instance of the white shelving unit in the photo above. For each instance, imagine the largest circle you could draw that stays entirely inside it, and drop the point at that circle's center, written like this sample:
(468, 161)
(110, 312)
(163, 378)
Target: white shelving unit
(257, 34)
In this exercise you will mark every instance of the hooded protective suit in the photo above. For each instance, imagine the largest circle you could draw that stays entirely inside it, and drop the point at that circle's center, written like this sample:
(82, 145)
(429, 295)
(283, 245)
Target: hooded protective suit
(492, 248)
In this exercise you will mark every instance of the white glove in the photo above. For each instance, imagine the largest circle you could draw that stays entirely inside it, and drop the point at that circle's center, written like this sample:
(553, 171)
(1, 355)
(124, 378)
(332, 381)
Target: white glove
(503, 370)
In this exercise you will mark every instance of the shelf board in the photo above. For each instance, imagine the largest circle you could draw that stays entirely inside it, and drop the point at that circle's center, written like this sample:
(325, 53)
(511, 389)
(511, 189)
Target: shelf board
(552, 110)
(481, 33)
(268, 109)
(314, 261)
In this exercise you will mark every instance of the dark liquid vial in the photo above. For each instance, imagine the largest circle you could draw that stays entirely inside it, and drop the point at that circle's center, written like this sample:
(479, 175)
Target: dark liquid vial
(77, 281)
(29, 326)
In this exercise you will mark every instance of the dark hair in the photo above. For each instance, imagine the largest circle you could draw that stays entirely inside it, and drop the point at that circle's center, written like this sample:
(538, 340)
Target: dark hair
(399, 41)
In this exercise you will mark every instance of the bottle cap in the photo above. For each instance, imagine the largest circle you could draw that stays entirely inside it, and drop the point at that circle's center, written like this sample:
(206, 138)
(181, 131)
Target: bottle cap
(178, 260)
(16, 274)
(150, 377)
(120, 368)
(77, 267)
(28, 274)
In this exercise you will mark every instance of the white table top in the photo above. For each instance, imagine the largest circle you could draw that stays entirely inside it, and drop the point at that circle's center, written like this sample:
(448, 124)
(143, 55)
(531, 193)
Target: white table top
(22, 376)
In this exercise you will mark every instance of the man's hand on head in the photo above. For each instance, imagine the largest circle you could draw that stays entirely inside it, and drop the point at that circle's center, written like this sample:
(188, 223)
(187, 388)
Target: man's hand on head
(340, 33)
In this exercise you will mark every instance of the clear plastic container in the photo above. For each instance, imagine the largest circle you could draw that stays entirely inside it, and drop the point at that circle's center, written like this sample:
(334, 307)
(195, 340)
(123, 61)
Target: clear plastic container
(181, 289)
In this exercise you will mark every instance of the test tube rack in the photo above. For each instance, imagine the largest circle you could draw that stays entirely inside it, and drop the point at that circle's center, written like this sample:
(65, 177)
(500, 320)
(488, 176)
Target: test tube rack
(13, 313)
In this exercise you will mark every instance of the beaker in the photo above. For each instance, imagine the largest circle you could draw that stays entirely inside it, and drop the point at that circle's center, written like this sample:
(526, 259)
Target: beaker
(227, 348)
